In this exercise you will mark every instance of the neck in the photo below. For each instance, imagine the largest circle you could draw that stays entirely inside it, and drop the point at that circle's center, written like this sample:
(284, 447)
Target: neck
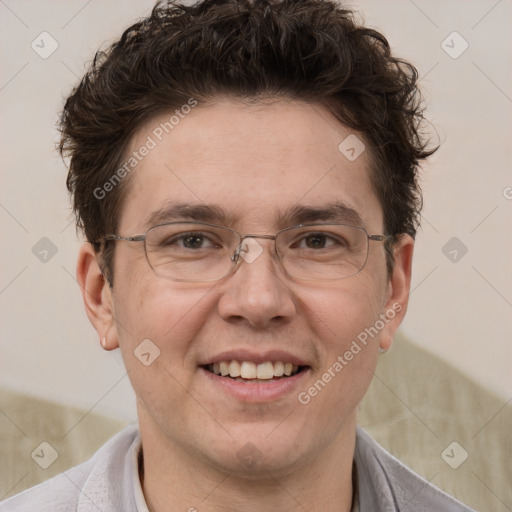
(173, 479)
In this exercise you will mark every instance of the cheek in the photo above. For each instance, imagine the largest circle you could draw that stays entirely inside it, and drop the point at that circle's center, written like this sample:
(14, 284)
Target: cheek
(146, 305)
(157, 323)
(340, 313)
(168, 314)
(344, 320)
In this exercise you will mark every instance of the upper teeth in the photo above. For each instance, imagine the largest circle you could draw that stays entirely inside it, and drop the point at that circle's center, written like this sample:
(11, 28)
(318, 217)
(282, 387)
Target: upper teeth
(248, 370)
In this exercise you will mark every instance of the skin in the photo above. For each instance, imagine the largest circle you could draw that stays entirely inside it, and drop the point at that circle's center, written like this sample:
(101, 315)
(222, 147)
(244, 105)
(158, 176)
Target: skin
(255, 161)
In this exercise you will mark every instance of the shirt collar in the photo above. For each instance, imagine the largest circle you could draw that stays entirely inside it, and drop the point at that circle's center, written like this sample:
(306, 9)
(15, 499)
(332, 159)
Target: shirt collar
(140, 501)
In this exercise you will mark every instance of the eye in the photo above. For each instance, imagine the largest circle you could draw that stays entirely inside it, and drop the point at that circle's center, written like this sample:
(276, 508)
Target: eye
(194, 241)
(316, 241)
(191, 241)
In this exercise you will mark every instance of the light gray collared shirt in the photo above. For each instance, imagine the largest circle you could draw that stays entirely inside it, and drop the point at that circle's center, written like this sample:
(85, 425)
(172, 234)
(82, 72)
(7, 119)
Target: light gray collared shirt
(110, 482)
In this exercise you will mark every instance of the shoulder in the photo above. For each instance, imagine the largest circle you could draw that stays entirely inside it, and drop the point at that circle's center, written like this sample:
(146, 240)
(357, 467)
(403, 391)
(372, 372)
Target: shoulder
(384, 480)
(84, 487)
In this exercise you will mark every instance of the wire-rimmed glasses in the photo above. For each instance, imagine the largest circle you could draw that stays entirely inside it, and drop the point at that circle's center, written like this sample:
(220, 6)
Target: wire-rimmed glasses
(199, 252)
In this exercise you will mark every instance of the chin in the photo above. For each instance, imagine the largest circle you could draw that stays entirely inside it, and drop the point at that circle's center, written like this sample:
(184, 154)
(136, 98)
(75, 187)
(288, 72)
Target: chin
(255, 453)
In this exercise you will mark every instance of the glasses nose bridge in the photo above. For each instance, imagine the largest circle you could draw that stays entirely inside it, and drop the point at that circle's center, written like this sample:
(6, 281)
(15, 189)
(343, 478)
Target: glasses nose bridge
(250, 235)
(240, 248)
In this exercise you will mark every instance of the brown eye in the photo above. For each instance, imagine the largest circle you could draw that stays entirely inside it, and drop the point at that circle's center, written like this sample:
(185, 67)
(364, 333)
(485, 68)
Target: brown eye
(316, 241)
(188, 241)
(193, 241)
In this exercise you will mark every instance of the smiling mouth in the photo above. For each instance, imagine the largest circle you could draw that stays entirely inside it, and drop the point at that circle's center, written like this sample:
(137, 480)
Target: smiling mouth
(247, 371)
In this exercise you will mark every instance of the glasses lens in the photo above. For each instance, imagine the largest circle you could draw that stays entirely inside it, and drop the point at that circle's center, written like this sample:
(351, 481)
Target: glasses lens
(323, 252)
(190, 251)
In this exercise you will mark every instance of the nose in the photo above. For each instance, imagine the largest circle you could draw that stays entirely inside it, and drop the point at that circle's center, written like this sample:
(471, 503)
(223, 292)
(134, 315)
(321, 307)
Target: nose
(257, 293)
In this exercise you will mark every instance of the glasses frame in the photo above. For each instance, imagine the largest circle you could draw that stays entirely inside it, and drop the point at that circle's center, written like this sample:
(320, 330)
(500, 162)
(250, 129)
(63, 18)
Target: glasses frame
(235, 257)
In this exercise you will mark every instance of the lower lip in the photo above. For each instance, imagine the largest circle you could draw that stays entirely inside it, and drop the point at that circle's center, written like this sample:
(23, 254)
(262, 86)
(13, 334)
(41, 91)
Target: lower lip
(262, 391)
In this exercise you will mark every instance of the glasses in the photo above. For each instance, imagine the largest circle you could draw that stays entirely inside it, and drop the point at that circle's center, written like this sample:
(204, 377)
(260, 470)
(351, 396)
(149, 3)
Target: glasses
(198, 252)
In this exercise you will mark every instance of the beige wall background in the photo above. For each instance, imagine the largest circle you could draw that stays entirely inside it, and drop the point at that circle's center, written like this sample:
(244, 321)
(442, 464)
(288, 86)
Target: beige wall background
(461, 300)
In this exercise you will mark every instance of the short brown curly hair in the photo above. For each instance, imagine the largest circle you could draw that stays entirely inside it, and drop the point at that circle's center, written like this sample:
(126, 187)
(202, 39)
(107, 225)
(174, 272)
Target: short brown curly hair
(309, 50)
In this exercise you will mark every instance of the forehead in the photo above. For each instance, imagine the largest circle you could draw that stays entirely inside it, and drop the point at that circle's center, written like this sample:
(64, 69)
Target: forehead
(249, 166)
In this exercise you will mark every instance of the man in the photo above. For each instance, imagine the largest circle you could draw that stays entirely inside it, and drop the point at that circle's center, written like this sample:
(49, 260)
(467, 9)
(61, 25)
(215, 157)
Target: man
(245, 174)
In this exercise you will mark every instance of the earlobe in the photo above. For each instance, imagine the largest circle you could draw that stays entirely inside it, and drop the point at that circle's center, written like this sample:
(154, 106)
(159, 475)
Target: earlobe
(398, 290)
(97, 296)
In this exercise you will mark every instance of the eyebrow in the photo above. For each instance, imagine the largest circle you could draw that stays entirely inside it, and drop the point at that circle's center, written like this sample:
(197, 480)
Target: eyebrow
(199, 212)
(211, 213)
(332, 212)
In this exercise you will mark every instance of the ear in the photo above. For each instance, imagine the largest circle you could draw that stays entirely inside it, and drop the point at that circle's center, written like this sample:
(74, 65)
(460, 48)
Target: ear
(397, 296)
(97, 296)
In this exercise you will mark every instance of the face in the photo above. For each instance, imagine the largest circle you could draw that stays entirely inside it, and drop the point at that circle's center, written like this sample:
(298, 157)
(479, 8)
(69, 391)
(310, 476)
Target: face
(252, 168)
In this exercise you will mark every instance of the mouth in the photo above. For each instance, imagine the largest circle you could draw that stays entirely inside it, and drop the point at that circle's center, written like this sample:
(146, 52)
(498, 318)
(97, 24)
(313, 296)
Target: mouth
(250, 372)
